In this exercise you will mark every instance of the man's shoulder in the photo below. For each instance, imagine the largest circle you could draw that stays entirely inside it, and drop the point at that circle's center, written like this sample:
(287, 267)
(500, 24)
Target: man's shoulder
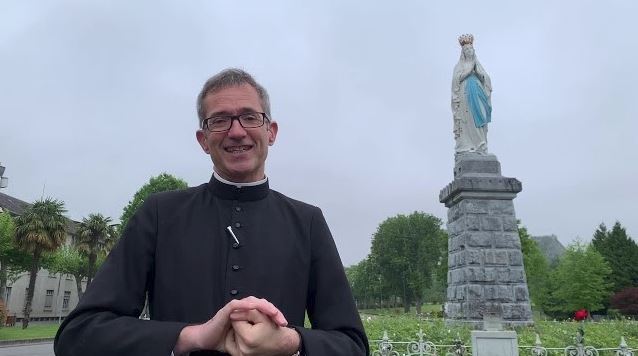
(297, 204)
(179, 194)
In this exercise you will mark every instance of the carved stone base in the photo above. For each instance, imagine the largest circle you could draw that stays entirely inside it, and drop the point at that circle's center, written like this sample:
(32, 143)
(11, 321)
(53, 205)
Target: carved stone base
(486, 274)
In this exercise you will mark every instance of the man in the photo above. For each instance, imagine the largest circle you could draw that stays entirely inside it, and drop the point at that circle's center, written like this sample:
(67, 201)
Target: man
(227, 265)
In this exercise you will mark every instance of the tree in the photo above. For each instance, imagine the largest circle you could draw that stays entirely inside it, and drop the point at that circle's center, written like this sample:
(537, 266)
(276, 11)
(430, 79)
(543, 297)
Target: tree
(536, 266)
(367, 283)
(95, 236)
(68, 260)
(41, 229)
(408, 249)
(580, 281)
(12, 260)
(626, 301)
(161, 183)
(620, 252)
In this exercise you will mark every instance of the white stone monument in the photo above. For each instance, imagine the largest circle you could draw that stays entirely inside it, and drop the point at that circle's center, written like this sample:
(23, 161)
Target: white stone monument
(485, 263)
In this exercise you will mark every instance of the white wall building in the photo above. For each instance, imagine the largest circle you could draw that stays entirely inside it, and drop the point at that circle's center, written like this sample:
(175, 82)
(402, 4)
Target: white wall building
(55, 294)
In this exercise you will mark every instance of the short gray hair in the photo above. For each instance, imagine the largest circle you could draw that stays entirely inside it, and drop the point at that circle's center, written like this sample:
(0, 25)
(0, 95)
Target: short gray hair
(230, 77)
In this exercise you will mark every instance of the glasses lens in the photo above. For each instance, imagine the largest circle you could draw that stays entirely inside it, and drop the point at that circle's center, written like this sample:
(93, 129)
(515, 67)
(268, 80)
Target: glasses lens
(251, 120)
(221, 123)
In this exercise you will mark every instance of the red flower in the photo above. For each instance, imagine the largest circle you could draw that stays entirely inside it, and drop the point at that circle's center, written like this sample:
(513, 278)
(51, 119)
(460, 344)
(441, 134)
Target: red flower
(581, 314)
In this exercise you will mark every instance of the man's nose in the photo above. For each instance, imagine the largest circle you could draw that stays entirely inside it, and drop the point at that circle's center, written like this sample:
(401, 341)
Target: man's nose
(236, 130)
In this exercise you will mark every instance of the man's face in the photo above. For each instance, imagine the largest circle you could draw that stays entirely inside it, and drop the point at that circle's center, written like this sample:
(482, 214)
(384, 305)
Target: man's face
(238, 154)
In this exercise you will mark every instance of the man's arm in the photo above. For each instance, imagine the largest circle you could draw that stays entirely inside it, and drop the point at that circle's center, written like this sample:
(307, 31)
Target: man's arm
(336, 326)
(106, 321)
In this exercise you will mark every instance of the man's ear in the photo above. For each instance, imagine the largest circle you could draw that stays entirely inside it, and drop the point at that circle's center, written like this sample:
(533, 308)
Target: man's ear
(201, 139)
(272, 132)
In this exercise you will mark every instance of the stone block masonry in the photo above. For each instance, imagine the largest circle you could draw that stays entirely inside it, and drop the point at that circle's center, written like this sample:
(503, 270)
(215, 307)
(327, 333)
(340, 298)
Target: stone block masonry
(486, 273)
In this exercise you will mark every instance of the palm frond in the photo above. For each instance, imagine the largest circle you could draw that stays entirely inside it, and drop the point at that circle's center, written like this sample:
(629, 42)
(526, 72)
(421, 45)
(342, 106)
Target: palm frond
(42, 227)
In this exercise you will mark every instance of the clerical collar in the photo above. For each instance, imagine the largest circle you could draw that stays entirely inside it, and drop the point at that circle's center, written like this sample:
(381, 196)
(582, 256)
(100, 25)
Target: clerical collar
(239, 185)
(225, 189)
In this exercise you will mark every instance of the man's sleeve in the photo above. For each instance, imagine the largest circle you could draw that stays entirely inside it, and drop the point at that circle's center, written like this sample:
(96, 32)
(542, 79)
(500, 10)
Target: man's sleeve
(336, 326)
(106, 321)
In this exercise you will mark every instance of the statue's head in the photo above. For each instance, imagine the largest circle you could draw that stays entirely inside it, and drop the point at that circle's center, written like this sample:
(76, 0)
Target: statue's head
(467, 50)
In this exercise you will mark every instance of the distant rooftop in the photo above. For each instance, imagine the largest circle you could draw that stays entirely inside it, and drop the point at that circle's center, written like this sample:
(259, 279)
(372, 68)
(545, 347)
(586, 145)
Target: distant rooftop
(13, 205)
(16, 206)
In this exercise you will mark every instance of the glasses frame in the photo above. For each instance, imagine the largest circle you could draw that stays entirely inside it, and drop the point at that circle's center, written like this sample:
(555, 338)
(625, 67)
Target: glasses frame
(264, 117)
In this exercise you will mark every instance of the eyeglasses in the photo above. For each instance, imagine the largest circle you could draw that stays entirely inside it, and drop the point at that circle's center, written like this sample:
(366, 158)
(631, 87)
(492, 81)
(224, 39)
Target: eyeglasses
(223, 123)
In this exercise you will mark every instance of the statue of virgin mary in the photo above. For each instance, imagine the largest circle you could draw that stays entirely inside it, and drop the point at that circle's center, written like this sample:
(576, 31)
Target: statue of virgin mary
(471, 104)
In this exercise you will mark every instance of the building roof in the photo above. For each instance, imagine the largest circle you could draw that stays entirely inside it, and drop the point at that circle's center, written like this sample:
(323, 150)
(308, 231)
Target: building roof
(16, 206)
(13, 205)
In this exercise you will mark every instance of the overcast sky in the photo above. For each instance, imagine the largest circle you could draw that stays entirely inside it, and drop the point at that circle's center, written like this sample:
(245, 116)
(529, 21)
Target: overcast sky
(98, 96)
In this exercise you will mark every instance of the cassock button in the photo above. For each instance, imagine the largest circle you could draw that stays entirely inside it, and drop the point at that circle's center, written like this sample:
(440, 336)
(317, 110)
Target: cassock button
(237, 225)
(237, 208)
(235, 268)
(233, 292)
(235, 245)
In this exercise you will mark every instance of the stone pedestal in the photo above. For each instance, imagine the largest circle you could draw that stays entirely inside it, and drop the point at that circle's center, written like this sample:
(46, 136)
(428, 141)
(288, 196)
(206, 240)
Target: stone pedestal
(494, 343)
(486, 274)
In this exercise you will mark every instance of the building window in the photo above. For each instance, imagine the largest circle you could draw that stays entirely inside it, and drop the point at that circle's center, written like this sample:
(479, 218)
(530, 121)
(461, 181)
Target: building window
(65, 301)
(48, 299)
(7, 297)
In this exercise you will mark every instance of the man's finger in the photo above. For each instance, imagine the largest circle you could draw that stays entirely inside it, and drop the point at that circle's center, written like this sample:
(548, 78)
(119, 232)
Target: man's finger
(261, 305)
(239, 315)
(243, 331)
(230, 343)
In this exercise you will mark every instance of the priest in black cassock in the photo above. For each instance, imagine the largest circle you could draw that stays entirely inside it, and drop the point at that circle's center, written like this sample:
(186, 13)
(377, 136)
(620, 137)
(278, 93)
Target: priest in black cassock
(230, 266)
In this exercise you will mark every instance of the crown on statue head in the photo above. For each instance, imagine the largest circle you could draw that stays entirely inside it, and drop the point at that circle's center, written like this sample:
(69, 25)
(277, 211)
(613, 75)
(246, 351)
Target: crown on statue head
(466, 39)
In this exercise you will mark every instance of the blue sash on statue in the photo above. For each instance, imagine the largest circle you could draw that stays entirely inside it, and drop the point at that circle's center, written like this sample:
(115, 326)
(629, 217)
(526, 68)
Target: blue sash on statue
(477, 101)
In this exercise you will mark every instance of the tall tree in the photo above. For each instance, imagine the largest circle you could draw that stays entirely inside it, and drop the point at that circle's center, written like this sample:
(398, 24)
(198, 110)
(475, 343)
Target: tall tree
(40, 229)
(581, 280)
(408, 250)
(161, 183)
(8, 253)
(68, 260)
(95, 236)
(620, 252)
(367, 283)
(536, 266)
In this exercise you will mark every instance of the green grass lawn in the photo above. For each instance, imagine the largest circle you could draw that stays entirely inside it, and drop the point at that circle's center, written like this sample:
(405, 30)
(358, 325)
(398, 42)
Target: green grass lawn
(34, 331)
(403, 327)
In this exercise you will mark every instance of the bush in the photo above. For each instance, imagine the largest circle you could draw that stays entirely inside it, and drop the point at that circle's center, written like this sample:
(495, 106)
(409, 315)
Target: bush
(614, 314)
(626, 301)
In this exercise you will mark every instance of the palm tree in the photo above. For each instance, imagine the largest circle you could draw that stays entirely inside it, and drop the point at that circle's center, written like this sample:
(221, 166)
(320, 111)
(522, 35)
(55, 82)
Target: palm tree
(95, 235)
(41, 229)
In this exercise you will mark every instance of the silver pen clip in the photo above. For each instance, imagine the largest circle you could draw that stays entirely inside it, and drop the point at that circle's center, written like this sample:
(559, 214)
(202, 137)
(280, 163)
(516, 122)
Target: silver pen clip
(232, 234)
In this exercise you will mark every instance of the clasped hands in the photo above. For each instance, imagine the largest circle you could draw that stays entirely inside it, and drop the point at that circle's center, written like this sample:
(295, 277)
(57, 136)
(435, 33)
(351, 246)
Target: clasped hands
(244, 327)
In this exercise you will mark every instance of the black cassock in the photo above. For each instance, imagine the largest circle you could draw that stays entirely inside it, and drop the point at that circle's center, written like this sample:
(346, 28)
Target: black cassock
(177, 248)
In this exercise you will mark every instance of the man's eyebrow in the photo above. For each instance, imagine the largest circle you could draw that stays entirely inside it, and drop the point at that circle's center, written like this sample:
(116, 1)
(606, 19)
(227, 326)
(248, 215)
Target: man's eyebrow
(244, 110)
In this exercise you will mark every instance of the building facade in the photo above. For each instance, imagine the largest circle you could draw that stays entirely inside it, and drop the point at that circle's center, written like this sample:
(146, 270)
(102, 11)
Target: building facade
(54, 297)
(55, 294)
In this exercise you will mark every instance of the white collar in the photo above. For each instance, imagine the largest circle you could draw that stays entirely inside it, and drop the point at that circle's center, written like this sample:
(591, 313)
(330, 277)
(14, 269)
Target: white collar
(239, 185)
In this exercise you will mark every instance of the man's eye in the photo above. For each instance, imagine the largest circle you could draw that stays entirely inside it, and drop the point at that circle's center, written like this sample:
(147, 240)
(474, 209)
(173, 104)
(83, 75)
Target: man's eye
(250, 117)
(219, 120)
